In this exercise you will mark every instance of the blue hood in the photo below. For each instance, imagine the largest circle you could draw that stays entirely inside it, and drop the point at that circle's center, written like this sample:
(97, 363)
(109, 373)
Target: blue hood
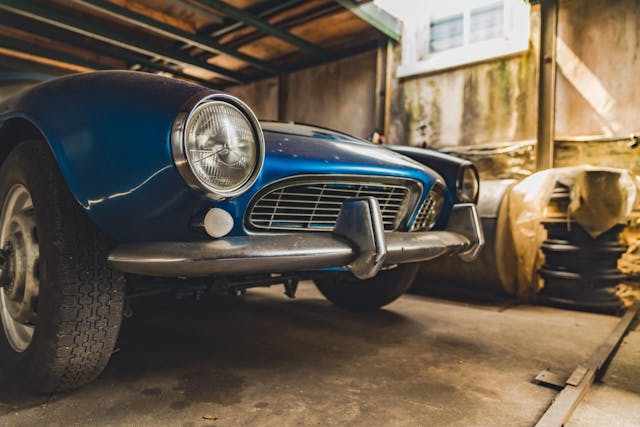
(306, 149)
(293, 149)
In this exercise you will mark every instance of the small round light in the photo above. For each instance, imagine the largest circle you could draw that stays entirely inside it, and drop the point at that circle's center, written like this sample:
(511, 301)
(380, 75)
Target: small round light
(221, 146)
(218, 222)
(468, 185)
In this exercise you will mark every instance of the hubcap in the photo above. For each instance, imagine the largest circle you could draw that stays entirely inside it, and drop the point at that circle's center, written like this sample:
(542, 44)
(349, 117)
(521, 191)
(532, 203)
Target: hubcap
(20, 284)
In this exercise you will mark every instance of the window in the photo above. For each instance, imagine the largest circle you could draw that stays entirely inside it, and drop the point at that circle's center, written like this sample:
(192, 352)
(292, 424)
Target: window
(486, 23)
(445, 33)
(438, 35)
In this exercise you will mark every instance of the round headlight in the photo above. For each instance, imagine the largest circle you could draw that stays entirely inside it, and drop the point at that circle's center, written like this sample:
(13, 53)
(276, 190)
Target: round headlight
(468, 184)
(219, 146)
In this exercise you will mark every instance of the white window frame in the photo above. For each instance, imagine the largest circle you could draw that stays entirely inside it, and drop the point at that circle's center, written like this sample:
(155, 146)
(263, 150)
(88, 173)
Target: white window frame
(416, 33)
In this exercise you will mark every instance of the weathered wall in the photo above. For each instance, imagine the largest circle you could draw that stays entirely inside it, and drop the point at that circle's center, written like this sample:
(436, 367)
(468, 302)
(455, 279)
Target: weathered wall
(338, 95)
(597, 88)
(495, 101)
(479, 103)
(599, 67)
(261, 96)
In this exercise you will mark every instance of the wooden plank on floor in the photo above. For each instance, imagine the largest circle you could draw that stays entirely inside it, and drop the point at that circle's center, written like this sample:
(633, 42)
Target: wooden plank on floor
(581, 379)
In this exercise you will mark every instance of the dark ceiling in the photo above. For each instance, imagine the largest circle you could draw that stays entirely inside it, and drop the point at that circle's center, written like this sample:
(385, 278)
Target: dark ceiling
(216, 43)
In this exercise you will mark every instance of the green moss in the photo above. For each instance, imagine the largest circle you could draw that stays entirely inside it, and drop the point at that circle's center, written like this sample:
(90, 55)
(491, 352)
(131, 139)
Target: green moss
(471, 114)
(527, 95)
(435, 118)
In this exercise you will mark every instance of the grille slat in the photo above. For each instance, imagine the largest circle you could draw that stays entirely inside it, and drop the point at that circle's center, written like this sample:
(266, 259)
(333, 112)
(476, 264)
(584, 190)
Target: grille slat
(262, 217)
(314, 205)
(337, 196)
(294, 207)
(430, 209)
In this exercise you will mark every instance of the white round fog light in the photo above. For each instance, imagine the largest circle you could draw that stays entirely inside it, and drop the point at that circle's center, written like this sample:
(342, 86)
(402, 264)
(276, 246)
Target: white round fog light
(218, 222)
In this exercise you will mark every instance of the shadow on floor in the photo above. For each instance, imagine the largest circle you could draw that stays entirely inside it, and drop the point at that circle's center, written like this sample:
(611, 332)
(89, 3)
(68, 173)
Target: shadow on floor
(210, 341)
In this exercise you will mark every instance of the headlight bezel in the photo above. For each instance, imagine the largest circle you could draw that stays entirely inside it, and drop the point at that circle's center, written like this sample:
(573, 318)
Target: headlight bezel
(460, 182)
(179, 149)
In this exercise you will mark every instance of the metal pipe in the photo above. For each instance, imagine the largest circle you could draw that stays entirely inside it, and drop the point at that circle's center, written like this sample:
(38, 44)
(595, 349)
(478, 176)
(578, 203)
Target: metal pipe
(631, 138)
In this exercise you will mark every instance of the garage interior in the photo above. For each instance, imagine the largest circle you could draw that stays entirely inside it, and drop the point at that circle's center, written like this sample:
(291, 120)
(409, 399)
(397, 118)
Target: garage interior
(504, 340)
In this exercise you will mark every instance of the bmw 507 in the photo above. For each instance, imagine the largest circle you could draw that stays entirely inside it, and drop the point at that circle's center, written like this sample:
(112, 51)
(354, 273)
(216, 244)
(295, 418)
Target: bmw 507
(111, 177)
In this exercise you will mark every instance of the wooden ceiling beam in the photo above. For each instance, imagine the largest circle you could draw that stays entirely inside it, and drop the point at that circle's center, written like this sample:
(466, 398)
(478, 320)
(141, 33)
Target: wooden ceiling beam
(267, 28)
(56, 18)
(129, 59)
(168, 31)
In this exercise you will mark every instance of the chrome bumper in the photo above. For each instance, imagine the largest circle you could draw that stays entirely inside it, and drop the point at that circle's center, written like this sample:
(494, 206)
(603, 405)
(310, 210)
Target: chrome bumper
(358, 241)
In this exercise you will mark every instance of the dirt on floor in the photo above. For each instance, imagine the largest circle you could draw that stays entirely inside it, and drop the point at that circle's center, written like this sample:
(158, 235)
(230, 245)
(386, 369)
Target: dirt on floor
(263, 359)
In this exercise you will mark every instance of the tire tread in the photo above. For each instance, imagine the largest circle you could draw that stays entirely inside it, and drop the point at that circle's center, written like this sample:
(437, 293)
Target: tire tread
(82, 296)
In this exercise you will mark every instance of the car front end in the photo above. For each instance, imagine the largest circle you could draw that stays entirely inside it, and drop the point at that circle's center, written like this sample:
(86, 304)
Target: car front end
(115, 185)
(280, 198)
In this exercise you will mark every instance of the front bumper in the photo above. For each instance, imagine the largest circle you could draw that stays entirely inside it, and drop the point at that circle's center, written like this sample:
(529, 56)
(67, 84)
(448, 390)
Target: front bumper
(358, 242)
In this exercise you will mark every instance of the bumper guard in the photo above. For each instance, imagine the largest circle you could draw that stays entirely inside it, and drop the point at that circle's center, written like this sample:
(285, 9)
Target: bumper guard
(358, 241)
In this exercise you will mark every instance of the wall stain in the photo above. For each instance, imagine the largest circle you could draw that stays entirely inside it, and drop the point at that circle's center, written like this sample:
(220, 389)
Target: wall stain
(471, 114)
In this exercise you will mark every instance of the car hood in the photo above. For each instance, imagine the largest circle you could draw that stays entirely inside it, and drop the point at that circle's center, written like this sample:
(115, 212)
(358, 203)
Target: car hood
(295, 150)
(301, 149)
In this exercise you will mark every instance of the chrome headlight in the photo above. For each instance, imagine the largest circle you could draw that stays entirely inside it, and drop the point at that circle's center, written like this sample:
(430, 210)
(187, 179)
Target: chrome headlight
(218, 146)
(468, 185)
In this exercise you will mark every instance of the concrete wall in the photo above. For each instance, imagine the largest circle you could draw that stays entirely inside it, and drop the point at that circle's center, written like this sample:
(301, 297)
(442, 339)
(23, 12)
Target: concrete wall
(339, 95)
(261, 96)
(493, 101)
(599, 67)
(496, 101)
(597, 89)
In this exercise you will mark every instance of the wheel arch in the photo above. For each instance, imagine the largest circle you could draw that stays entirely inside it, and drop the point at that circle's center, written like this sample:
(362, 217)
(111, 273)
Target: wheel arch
(109, 133)
(17, 128)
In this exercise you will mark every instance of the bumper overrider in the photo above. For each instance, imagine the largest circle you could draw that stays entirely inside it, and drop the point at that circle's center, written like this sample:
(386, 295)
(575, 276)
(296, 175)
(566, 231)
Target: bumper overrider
(358, 241)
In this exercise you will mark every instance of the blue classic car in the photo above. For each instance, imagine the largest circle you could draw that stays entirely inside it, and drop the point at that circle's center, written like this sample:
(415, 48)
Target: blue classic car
(115, 183)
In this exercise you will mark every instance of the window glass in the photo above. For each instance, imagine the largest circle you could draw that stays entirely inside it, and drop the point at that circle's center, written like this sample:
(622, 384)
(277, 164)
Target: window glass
(446, 33)
(487, 23)
(443, 34)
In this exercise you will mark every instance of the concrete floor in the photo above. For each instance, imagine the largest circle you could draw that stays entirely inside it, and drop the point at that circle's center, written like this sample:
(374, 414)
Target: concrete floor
(264, 360)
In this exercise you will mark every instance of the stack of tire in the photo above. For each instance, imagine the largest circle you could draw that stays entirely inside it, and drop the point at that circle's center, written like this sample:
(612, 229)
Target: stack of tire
(579, 271)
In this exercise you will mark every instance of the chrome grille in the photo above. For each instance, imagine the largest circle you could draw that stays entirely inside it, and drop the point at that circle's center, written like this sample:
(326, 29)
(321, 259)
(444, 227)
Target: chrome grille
(313, 203)
(430, 209)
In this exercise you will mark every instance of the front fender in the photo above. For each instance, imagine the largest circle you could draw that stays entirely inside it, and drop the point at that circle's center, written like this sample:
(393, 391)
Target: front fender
(446, 165)
(109, 132)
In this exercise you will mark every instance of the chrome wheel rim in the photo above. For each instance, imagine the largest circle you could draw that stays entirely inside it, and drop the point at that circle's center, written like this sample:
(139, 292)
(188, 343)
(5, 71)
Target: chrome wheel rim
(19, 281)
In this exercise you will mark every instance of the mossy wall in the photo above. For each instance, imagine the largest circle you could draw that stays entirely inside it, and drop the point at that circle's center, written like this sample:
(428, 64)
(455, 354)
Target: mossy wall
(598, 85)
(598, 68)
(474, 104)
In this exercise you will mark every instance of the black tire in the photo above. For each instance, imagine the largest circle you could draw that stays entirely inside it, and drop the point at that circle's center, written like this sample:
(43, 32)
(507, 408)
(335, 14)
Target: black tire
(345, 290)
(81, 299)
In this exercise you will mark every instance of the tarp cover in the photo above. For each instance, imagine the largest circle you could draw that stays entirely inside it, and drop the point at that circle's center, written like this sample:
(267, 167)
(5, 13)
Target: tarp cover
(600, 198)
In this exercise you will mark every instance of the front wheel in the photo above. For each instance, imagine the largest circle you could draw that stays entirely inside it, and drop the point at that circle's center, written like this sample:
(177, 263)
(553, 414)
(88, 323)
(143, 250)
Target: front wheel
(60, 302)
(347, 291)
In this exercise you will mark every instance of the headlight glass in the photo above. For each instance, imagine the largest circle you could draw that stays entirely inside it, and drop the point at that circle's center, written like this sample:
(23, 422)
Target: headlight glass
(221, 146)
(468, 185)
